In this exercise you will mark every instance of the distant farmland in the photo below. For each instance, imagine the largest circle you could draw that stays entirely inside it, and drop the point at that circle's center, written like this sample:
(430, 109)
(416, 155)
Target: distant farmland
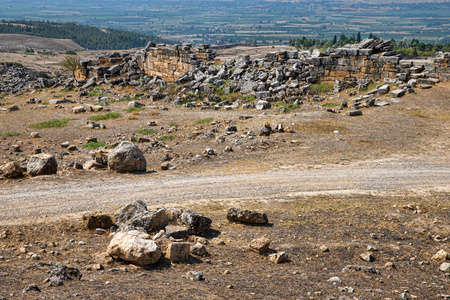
(219, 22)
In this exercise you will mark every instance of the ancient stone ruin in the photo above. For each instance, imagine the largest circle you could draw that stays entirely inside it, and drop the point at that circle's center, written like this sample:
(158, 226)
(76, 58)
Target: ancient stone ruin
(368, 60)
(159, 60)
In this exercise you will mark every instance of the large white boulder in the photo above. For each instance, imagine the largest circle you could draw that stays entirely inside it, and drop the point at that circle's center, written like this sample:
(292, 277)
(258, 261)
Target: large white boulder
(135, 247)
(127, 157)
(42, 164)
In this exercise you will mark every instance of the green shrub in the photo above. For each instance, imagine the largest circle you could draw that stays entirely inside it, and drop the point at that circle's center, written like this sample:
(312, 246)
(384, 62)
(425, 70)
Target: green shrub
(9, 133)
(107, 116)
(147, 131)
(173, 124)
(131, 109)
(204, 121)
(165, 138)
(231, 97)
(96, 93)
(124, 98)
(93, 145)
(46, 52)
(286, 106)
(55, 123)
(329, 104)
(321, 88)
(71, 52)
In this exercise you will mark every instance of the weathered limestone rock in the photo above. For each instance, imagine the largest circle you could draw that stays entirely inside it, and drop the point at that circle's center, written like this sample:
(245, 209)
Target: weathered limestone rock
(92, 164)
(356, 112)
(12, 170)
(262, 104)
(42, 164)
(135, 104)
(279, 257)
(177, 232)
(441, 255)
(397, 93)
(384, 89)
(260, 245)
(135, 216)
(78, 109)
(173, 215)
(127, 157)
(122, 215)
(97, 220)
(445, 267)
(135, 247)
(195, 275)
(150, 220)
(198, 224)
(246, 216)
(199, 249)
(367, 256)
(178, 251)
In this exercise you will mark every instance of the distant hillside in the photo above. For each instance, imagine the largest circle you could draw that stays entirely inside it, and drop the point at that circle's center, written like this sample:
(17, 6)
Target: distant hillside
(88, 37)
(37, 43)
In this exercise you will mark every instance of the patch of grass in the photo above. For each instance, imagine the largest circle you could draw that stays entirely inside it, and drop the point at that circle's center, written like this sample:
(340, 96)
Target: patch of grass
(55, 123)
(93, 145)
(231, 97)
(45, 103)
(147, 131)
(173, 124)
(204, 121)
(9, 133)
(124, 98)
(67, 90)
(172, 89)
(108, 116)
(321, 88)
(370, 86)
(330, 104)
(286, 106)
(96, 93)
(46, 52)
(165, 138)
(249, 98)
(133, 109)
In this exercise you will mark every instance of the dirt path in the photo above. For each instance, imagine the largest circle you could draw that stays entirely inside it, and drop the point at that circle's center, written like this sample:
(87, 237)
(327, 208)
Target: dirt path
(46, 198)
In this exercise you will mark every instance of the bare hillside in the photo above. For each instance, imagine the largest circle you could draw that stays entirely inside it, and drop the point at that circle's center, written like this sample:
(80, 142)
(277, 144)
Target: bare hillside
(38, 43)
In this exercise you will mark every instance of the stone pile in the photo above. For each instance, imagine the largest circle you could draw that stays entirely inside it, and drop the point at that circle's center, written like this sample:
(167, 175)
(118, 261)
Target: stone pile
(17, 78)
(135, 222)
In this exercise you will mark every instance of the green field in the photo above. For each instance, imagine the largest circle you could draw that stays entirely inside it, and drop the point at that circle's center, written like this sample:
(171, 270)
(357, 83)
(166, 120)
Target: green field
(219, 22)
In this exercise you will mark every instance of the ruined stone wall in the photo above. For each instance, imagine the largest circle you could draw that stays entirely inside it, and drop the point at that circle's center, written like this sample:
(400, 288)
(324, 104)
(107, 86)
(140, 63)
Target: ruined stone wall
(171, 63)
(167, 62)
(370, 59)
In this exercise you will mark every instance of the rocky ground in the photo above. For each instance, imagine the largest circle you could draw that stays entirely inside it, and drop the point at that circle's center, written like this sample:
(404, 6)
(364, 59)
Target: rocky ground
(333, 187)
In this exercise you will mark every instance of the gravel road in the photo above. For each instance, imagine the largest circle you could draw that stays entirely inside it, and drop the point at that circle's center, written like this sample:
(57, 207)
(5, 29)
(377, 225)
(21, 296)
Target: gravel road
(48, 198)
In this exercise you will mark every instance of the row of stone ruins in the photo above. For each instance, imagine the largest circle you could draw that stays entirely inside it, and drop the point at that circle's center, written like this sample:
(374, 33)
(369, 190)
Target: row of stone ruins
(277, 75)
